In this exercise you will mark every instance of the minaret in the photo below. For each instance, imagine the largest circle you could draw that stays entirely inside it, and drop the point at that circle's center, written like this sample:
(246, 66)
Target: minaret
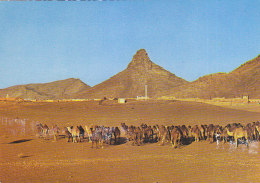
(146, 97)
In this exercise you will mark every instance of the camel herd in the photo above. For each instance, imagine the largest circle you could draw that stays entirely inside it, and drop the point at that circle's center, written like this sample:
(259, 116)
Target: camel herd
(138, 135)
(95, 134)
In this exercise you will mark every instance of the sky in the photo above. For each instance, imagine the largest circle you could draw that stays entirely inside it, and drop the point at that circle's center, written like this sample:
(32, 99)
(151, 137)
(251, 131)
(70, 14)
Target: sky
(47, 41)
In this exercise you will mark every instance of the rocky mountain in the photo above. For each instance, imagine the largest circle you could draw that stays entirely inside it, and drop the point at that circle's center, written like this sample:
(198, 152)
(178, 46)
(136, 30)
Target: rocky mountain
(54, 90)
(141, 71)
(245, 80)
(131, 82)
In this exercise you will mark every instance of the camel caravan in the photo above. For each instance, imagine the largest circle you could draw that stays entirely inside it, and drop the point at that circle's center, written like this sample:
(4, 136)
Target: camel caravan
(138, 135)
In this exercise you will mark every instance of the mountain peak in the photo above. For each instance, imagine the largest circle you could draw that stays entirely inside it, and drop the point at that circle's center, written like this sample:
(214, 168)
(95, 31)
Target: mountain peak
(130, 82)
(141, 52)
(141, 59)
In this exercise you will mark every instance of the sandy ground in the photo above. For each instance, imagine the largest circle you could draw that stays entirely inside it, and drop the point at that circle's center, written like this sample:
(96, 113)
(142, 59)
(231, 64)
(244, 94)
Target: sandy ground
(26, 158)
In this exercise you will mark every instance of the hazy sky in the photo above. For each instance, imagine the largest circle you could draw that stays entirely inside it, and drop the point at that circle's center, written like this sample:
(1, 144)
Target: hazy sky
(47, 41)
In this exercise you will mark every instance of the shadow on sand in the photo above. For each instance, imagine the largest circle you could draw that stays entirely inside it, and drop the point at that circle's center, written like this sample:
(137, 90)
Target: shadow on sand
(24, 156)
(121, 140)
(20, 141)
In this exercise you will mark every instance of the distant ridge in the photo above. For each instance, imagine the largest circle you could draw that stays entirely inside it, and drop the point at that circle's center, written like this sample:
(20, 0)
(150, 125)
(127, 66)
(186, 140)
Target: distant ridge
(61, 89)
(130, 82)
(243, 81)
(141, 71)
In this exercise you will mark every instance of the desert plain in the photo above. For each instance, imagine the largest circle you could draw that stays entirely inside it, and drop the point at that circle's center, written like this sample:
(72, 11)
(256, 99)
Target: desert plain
(24, 157)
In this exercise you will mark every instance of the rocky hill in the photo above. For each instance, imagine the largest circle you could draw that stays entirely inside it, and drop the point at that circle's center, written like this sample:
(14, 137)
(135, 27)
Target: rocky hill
(245, 80)
(131, 82)
(141, 71)
(54, 90)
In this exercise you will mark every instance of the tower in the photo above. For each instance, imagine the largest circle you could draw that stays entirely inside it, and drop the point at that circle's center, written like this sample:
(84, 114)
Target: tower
(146, 97)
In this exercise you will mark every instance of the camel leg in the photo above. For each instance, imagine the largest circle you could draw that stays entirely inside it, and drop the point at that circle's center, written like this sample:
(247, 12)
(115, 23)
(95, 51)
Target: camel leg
(101, 143)
(212, 139)
(138, 141)
(208, 138)
(163, 138)
(55, 138)
(175, 142)
(97, 144)
(225, 140)
(172, 141)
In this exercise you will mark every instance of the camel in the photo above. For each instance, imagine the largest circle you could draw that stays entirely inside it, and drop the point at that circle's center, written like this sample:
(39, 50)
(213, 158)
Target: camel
(39, 130)
(255, 127)
(116, 133)
(42, 130)
(205, 131)
(228, 131)
(124, 129)
(218, 133)
(251, 131)
(211, 131)
(88, 130)
(130, 133)
(257, 131)
(202, 131)
(138, 135)
(45, 130)
(185, 134)
(68, 134)
(176, 136)
(81, 133)
(97, 138)
(148, 134)
(155, 133)
(185, 131)
(75, 132)
(239, 133)
(56, 132)
(163, 134)
(196, 133)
